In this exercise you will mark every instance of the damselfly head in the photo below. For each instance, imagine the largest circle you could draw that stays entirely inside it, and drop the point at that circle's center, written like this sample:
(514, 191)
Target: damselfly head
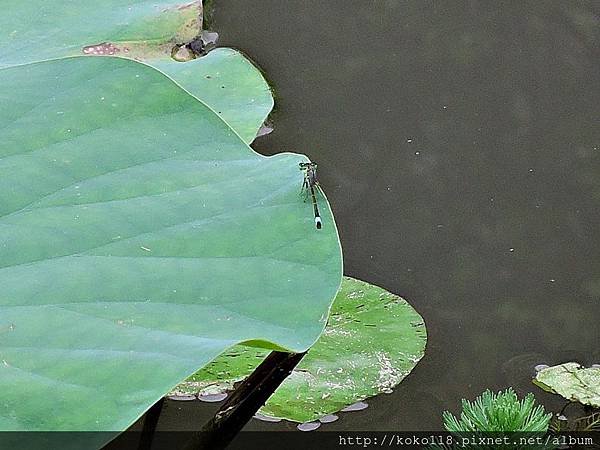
(307, 166)
(318, 222)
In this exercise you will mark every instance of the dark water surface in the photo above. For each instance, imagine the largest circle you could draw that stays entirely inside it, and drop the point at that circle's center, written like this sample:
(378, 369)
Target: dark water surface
(459, 146)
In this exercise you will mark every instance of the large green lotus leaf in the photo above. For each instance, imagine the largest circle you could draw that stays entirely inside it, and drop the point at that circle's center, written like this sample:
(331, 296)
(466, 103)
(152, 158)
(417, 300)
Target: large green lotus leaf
(46, 29)
(573, 382)
(372, 341)
(228, 83)
(145, 31)
(139, 238)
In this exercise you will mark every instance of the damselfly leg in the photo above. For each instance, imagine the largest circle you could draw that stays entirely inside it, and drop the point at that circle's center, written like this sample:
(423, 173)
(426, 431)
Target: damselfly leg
(309, 185)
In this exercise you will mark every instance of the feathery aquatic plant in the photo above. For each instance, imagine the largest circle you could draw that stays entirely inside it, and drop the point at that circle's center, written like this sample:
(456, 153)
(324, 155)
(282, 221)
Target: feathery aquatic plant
(501, 412)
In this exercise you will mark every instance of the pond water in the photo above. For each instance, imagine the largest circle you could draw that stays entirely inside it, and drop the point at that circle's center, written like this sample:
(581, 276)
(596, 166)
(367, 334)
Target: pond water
(459, 146)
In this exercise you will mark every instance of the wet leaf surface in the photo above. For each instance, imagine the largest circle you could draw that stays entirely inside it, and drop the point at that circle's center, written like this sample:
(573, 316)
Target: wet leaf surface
(572, 381)
(372, 341)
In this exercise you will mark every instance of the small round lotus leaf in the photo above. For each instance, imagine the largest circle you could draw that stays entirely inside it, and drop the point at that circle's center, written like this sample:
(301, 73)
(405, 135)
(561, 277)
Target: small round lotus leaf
(573, 382)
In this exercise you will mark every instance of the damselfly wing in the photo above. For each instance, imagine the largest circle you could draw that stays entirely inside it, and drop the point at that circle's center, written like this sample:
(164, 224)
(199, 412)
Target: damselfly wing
(310, 184)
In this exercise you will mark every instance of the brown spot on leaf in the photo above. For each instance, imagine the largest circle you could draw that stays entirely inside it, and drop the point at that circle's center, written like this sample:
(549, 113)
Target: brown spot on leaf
(104, 48)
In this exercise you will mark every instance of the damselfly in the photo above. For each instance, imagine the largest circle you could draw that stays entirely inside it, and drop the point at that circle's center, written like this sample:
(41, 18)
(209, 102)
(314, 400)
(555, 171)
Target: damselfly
(310, 184)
